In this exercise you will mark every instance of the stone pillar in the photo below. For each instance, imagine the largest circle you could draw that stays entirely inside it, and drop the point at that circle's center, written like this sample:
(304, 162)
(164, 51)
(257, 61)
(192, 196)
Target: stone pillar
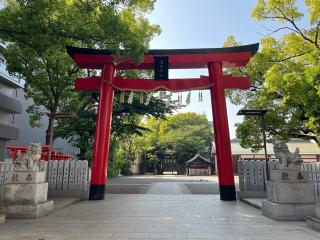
(25, 195)
(290, 195)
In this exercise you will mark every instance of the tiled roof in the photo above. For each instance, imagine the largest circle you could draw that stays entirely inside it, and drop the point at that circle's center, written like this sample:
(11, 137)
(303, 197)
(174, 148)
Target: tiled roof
(196, 157)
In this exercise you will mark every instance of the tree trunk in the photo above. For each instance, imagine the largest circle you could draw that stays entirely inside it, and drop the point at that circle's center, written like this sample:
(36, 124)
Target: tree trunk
(49, 132)
(82, 153)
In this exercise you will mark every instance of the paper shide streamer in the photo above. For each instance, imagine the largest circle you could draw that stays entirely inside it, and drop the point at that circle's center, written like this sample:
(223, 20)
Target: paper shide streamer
(148, 98)
(130, 98)
(188, 99)
(169, 100)
(200, 96)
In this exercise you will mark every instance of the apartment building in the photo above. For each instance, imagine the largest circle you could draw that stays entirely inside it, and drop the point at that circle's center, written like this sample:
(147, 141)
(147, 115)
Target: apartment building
(10, 105)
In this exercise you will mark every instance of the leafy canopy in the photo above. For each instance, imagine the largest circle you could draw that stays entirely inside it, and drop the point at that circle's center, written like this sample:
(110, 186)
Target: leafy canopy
(285, 74)
(38, 31)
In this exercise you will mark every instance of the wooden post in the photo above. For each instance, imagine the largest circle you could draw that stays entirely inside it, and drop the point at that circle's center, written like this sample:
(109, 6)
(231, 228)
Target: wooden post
(221, 134)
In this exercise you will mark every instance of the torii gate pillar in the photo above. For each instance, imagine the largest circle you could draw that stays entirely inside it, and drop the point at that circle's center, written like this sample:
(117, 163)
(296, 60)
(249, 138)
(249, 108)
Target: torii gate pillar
(102, 135)
(221, 133)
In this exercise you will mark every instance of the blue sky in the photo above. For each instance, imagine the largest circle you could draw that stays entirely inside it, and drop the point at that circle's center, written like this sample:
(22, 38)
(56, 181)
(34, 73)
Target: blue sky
(204, 24)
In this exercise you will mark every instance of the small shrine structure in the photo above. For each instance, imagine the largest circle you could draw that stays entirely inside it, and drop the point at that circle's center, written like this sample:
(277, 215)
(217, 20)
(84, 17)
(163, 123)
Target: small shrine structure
(198, 166)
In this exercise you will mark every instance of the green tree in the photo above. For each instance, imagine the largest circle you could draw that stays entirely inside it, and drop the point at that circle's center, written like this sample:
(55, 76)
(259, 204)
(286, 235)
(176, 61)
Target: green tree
(285, 74)
(80, 129)
(148, 144)
(38, 31)
(184, 134)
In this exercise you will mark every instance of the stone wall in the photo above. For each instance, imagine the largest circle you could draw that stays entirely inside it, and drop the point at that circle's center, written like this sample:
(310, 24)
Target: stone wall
(313, 169)
(252, 176)
(65, 178)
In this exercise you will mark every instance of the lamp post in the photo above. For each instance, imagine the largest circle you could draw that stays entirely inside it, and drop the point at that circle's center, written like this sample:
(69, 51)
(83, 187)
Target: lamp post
(260, 113)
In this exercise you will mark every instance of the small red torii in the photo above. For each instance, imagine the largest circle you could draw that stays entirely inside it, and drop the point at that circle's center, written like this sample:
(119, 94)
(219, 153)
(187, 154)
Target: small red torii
(215, 59)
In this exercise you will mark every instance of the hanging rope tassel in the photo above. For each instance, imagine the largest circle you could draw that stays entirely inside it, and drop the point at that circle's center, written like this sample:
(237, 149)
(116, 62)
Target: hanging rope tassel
(130, 98)
(141, 98)
(122, 97)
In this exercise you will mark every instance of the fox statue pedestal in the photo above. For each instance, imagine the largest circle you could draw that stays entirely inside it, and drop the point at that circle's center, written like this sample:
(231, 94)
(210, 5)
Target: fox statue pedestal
(314, 222)
(290, 196)
(26, 193)
(25, 196)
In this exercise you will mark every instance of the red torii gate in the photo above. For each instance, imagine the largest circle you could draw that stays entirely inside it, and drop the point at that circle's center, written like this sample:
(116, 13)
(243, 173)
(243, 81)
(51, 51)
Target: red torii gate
(215, 59)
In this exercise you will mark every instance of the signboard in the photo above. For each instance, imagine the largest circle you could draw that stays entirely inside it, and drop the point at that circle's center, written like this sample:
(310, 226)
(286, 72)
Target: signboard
(161, 68)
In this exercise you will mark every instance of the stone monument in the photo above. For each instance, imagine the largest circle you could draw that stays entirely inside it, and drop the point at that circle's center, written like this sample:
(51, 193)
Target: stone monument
(290, 195)
(25, 195)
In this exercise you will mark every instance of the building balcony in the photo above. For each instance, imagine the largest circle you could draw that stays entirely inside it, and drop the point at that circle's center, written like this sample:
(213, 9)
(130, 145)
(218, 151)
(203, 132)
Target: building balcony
(9, 103)
(3, 46)
(8, 131)
(10, 79)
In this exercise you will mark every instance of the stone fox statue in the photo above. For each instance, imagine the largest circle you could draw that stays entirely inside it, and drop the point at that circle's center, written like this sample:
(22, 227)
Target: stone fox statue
(287, 159)
(30, 160)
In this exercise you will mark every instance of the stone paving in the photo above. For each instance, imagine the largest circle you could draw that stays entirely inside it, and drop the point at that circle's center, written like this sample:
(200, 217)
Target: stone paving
(142, 184)
(151, 179)
(168, 188)
(167, 210)
(156, 216)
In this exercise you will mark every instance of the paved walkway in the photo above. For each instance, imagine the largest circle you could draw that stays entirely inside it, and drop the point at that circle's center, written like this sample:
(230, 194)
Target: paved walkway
(168, 188)
(156, 216)
(150, 179)
(164, 184)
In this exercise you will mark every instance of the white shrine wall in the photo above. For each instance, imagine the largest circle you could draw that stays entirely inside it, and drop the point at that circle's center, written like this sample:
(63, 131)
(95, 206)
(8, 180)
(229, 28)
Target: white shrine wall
(65, 178)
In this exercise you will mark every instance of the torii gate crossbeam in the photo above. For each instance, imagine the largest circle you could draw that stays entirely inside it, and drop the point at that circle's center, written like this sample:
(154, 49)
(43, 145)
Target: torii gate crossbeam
(215, 59)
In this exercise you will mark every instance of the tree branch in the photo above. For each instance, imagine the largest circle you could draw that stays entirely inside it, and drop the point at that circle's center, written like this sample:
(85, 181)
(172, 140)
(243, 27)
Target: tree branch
(293, 56)
(271, 31)
(317, 34)
(293, 23)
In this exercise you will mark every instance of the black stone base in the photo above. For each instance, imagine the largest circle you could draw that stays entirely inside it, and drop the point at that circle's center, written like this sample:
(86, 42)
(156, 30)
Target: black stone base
(97, 192)
(228, 193)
